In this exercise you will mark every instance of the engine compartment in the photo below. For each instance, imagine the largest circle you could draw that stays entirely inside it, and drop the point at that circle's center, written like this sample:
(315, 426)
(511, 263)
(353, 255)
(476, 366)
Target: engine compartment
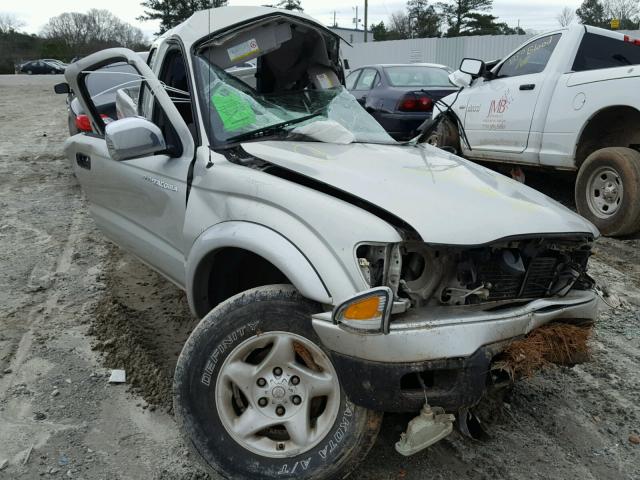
(505, 272)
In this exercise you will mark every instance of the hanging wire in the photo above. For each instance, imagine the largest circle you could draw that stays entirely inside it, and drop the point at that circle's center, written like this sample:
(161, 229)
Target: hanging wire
(117, 87)
(139, 78)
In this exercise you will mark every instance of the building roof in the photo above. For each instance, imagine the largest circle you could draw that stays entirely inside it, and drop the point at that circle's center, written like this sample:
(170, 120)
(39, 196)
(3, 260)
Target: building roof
(349, 29)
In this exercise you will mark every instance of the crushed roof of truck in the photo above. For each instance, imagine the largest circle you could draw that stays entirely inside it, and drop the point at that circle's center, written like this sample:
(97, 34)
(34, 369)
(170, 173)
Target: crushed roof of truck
(206, 22)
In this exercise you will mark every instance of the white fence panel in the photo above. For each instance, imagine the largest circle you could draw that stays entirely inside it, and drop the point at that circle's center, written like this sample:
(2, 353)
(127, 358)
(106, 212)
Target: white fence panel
(446, 51)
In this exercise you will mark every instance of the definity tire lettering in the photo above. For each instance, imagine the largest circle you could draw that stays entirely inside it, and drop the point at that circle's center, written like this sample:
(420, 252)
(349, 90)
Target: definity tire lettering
(222, 348)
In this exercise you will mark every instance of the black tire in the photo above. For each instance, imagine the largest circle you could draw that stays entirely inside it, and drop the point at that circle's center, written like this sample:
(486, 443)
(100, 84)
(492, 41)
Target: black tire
(446, 136)
(29, 72)
(243, 317)
(625, 163)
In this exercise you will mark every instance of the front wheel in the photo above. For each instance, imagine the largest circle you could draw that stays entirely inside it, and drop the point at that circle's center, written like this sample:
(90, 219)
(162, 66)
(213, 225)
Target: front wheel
(257, 396)
(607, 190)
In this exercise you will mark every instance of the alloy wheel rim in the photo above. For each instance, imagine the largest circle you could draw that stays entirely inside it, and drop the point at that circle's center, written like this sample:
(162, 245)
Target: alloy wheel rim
(277, 394)
(604, 192)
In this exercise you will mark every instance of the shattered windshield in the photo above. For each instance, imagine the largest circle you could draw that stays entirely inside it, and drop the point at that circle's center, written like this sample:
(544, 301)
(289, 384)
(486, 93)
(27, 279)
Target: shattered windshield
(237, 112)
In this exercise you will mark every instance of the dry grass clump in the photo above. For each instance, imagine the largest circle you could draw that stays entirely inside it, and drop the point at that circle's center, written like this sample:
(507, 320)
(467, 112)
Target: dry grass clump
(560, 344)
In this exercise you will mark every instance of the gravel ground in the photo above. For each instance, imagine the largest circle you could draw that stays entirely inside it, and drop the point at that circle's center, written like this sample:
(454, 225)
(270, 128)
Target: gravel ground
(73, 306)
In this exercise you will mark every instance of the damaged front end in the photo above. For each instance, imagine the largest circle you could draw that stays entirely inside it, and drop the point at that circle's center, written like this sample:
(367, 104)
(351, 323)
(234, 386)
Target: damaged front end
(463, 319)
(467, 320)
(506, 273)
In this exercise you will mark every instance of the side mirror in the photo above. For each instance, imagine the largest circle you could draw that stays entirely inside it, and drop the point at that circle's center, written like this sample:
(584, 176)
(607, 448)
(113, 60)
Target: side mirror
(61, 88)
(133, 137)
(473, 67)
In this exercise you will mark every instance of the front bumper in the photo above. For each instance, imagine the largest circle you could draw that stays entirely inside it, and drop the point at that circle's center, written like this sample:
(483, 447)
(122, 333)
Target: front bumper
(453, 345)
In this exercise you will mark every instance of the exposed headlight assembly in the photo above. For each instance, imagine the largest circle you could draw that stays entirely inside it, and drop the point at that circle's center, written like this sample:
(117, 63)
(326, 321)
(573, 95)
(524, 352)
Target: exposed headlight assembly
(368, 312)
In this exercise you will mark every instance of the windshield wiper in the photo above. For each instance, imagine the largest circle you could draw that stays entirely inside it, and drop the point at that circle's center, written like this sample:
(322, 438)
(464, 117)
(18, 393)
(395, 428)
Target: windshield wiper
(272, 129)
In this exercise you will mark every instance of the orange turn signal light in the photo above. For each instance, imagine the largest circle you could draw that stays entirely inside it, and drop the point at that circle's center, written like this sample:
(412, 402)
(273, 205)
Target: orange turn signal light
(367, 312)
(364, 309)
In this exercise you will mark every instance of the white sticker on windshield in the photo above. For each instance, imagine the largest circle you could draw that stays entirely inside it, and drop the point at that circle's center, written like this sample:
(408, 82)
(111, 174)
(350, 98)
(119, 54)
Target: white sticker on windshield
(324, 81)
(243, 50)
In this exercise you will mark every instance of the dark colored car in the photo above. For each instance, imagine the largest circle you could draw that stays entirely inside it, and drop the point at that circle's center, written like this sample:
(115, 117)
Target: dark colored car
(40, 67)
(400, 97)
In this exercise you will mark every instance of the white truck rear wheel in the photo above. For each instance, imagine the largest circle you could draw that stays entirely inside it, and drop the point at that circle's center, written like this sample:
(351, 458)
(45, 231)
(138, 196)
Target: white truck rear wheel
(607, 190)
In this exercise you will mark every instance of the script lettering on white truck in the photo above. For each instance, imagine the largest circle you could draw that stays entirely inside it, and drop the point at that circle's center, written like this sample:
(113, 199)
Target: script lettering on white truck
(495, 119)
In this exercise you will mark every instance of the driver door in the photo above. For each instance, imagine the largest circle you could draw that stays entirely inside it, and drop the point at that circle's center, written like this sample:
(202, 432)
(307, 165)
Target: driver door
(138, 203)
(499, 111)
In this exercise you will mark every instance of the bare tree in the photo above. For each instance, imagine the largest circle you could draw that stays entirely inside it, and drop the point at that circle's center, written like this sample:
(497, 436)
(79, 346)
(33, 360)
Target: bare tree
(399, 26)
(627, 11)
(70, 27)
(566, 17)
(93, 30)
(10, 23)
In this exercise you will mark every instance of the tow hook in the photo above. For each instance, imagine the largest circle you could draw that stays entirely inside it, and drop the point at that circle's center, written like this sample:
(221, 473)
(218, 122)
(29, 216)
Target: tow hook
(431, 426)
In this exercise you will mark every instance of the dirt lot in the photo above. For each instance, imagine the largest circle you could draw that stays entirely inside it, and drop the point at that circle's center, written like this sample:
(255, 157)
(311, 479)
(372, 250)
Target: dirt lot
(72, 306)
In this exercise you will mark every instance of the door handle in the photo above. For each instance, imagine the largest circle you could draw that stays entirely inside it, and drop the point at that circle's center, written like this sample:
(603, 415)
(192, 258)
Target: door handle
(83, 161)
(528, 86)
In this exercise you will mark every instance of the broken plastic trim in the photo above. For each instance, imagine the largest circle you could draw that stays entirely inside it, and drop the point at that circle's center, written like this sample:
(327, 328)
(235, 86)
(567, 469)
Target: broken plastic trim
(431, 426)
(210, 40)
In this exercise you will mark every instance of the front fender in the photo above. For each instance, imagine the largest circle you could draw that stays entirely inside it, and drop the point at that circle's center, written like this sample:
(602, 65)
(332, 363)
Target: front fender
(261, 241)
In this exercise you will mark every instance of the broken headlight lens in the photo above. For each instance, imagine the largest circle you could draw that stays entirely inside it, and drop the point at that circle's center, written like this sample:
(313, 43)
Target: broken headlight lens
(369, 311)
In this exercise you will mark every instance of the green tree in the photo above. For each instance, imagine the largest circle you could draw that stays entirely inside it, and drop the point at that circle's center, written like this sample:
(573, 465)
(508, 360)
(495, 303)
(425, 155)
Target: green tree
(591, 12)
(290, 5)
(424, 20)
(172, 12)
(379, 31)
(484, 24)
(464, 17)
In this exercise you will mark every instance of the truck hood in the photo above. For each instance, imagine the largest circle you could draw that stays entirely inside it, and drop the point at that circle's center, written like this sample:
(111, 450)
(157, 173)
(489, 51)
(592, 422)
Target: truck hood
(446, 199)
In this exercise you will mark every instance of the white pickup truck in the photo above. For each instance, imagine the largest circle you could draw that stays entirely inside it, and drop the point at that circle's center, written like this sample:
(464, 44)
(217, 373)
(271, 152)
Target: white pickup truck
(566, 100)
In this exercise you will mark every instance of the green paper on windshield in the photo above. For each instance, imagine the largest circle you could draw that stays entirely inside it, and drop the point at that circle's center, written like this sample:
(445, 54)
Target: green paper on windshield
(235, 112)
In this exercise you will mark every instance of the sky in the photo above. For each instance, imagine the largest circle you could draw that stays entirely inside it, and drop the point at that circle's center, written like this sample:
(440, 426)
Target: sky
(536, 15)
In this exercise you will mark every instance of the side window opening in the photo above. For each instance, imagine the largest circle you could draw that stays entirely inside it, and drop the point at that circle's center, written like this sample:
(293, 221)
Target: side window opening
(366, 80)
(530, 59)
(351, 80)
(100, 89)
(103, 85)
(173, 74)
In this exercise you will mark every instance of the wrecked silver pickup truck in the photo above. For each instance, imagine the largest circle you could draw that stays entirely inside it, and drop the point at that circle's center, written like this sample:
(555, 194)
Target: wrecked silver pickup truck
(338, 274)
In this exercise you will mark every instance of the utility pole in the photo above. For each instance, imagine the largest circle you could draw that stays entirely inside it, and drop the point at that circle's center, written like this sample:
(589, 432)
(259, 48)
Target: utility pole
(335, 24)
(366, 20)
(356, 20)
